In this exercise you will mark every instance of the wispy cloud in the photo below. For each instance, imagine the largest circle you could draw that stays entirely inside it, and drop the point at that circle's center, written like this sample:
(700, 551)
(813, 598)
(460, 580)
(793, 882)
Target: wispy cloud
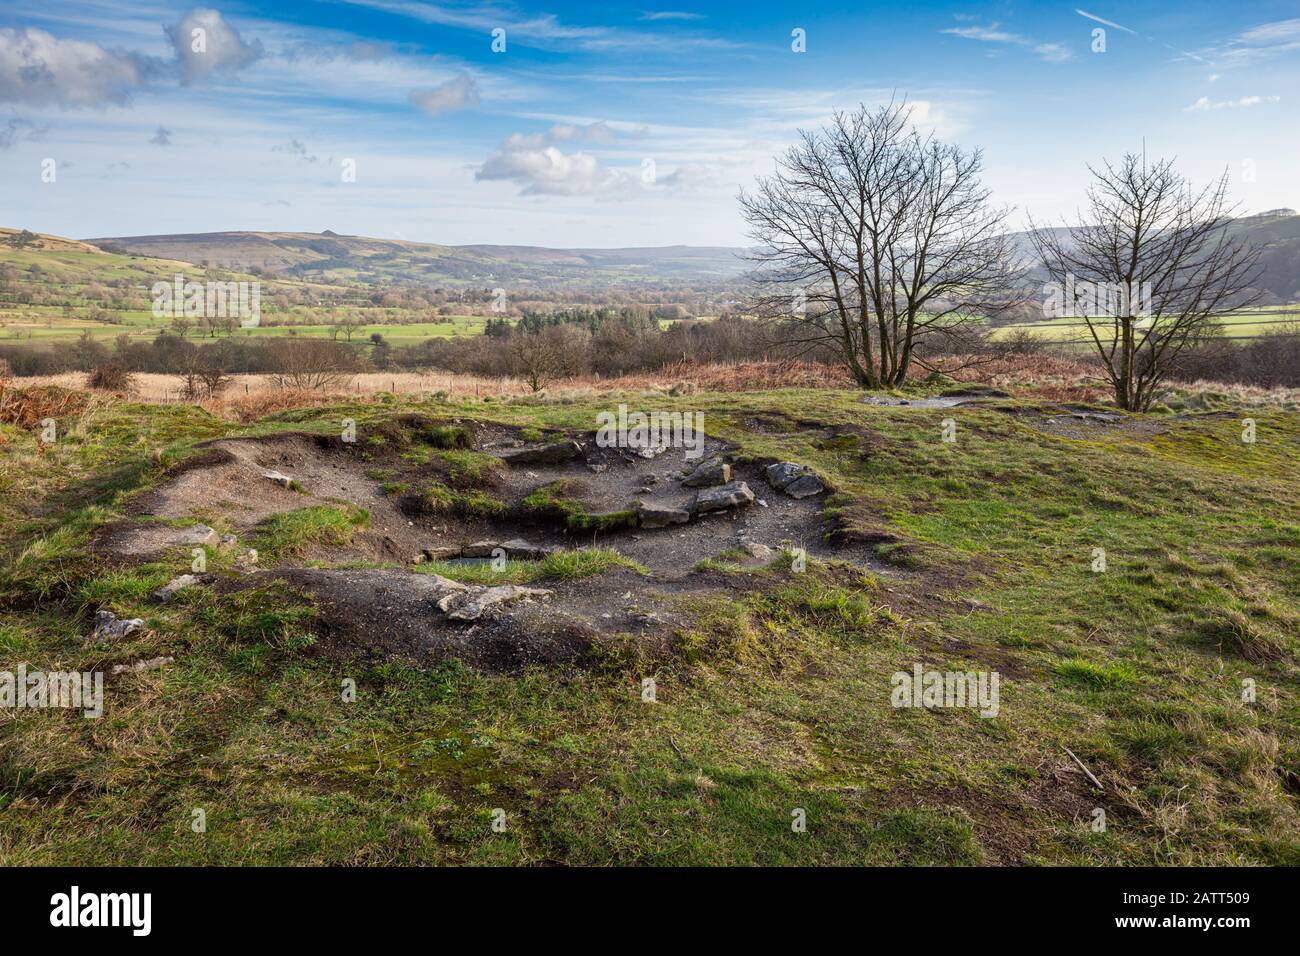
(1104, 22)
(458, 93)
(1051, 52)
(1205, 104)
(670, 15)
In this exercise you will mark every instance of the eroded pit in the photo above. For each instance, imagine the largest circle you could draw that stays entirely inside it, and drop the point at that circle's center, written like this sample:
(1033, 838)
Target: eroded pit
(600, 540)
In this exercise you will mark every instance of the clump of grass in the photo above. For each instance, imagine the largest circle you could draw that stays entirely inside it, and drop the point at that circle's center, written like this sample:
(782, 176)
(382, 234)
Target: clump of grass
(449, 436)
(1087, 673)
(560, 566)
(292, 533)
(470, 504)
(466, 467)
(554, 501)
(1231, 628)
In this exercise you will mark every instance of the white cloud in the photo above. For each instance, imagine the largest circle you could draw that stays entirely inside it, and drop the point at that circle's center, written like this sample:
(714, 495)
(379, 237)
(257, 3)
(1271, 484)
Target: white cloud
(456, 94)
(1204, 104)
(670, 15)
(545, 170)
(1051, 52)
(205, 44)
(38, 69)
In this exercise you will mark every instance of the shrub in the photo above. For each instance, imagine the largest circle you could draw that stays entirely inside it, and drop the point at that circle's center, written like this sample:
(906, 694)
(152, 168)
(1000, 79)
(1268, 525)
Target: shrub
(110, 377)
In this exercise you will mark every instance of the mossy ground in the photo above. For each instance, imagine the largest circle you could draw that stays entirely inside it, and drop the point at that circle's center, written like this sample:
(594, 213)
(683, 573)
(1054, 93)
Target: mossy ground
(776, 700)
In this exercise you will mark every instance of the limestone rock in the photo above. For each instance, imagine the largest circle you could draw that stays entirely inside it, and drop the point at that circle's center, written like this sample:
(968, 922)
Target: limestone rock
(713, 471)
(550, 453)
(796, 480)
(731, 495)
(174, 587)
(472, 603)
(109, 627)
(281, 479)
(651, 515)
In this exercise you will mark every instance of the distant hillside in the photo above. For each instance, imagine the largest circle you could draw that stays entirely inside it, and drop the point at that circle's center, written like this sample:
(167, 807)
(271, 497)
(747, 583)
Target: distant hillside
(328, 256)
(1277, 232)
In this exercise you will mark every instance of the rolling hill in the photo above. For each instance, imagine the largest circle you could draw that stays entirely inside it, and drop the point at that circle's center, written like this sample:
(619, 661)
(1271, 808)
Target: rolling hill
(328, 256)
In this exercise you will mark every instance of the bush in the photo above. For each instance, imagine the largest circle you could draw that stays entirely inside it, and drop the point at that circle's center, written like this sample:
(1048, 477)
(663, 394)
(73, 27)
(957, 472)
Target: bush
(110, 377)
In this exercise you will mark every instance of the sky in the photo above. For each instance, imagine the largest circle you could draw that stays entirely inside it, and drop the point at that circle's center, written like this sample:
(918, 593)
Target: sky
(602, 124)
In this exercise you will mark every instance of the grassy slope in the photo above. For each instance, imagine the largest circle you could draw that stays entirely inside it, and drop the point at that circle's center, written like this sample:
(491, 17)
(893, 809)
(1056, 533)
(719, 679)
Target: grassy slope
(775, 702)
(69, 268)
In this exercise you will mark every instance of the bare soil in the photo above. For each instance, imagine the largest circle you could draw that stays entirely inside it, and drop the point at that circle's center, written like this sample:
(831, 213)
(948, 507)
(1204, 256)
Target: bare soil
(388, 611)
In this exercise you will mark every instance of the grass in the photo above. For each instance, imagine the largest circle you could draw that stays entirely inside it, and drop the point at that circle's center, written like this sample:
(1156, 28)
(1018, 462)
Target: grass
(1172, 674)
(555, 501)
(560, 566)
(294, 533)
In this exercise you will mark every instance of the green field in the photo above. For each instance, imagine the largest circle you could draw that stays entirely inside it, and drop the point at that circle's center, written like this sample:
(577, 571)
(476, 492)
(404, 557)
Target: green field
(771, 697)
(1243, 325)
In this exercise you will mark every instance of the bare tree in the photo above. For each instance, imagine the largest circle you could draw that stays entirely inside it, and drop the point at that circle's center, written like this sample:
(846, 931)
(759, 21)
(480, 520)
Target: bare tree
(306, 363)
(878, 242)
(1149, 270)
(540, 357)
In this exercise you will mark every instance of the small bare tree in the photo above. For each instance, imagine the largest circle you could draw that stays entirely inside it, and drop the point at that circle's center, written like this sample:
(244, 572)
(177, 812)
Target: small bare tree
(302, 363)
(878, 242)
(1149, 270)
(541, 357)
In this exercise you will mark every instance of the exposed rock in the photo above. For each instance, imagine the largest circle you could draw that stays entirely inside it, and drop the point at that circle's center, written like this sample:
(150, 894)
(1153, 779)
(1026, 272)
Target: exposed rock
(731, 495)
(281, 479)
(141, 666)
(755, 550)
(713, 471)
(520, 549)
(109, 627)
(782, 473)
(794, 479)
(472, 603)
(441, 554)
(479, 549)
(805, 486)
(551, 453)
(174, 587)
(651, 515)
(649, 451)
(229, 540)
(247, 559)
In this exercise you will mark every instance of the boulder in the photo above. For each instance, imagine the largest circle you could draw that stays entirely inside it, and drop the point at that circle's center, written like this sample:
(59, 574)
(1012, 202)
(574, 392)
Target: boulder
(550, 453)
(479, 549)
(441, 554)
(520, 549)
(651, 515)
(796, 480)
(755, 550)
(109, 627)
(174, 587)
(713, 471)
(472, 603)
(805, 486)
(731, 495)
(281, 479)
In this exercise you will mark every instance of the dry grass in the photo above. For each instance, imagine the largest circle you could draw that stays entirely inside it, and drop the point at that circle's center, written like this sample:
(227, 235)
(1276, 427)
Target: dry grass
(26, 406)
(1041, 376)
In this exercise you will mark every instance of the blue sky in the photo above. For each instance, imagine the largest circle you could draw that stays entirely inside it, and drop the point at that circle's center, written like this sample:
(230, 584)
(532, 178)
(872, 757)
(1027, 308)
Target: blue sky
(612, 124)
